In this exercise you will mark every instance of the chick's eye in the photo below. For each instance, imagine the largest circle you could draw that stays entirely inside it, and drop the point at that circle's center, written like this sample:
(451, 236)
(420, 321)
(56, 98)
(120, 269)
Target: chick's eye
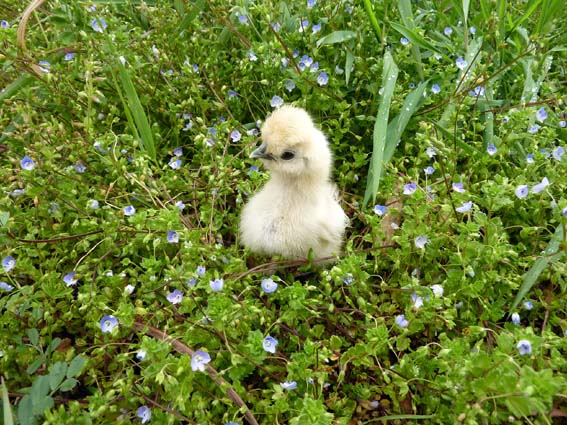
(287, 155)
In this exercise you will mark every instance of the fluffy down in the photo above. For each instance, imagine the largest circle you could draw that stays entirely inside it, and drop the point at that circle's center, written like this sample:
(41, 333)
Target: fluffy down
(297, 210)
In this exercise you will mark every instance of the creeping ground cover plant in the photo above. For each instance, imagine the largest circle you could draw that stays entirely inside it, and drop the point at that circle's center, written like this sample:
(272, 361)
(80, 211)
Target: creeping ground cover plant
(126, 295)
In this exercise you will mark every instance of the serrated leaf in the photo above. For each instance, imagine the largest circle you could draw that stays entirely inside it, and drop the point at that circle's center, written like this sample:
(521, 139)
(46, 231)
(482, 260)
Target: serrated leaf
(57, 374)
(76, 366)
(336, 37)
(68, 384)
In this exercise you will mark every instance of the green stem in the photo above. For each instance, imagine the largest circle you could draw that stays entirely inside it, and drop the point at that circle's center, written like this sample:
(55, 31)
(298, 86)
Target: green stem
(373, 19)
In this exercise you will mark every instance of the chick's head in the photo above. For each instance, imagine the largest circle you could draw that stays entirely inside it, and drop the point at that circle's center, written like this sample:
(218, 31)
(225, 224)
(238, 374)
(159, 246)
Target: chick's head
(293, 146)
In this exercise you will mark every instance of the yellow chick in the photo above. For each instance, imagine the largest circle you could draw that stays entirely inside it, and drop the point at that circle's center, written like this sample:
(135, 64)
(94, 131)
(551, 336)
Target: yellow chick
(297, 210)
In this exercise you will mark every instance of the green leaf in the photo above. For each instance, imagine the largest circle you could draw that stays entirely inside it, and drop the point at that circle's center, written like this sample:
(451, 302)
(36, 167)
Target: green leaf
(133, 105)
(348, 65)
(8, 415)
(42, 404)
(416, 38)
(4, 217)
(35, 365)
(389, 77)
(68, 384)
(40, 387)
(336, 37)
(76, 366)
(519, 406)
(57, 374)
(399, 123)
(25, 411)
(551, 253)
(33, 335)
(53, 345)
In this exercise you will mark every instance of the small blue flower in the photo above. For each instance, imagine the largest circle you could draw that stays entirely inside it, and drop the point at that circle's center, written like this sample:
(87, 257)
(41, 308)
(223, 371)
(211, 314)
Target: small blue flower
(522, 191)
(540, 186)
(172, 236)
(129, 210)
(416, 300)
(431, 151)
(27, 163)
(232, 94)
(437, 290)
(108, 323)
(216, 284)
(478, 91)
(175, 297)
(461, 63)
(515, 319)
(235, 135)
(558, 152)
(435, 89)
(448, 31)
(98, 24)
(311, 3)
(80, 167)
(530, 158)
(505, 119)
(289, 85)
(528, 305)
(231, 423)
(541, 114)
(99, 148)
(524, 347)
(141, 355)
(253, 169)
(315, 67)
(491, 149)
(404, 41)
(472, 30)
(316, 28)
(276, 26)
(192, 282)
(458, 187)
(562, 123)
(175, 164)
(69, 279)
(252, 56)
(269, 286)
(534, 129)
(401, 321)
(564, 212)
(269, 344)
(178, 151)
(69, 56)
(288, 385)
(5, 287)
(8, 263)
(545, 153)
(349, 278)
(465, 207)
(303, 25)
(144, 413)
(4, 24)
(380, 210)
(243, 19)
(201, 270)
(421, 241)
(429, 170)
(17, 192)
(180, 205)
(44, 66)
(276, 101)
(306, 60)
(410, 188)
(199, 360)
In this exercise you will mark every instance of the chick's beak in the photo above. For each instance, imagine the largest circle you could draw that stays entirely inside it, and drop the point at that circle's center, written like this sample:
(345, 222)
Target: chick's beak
(260, 153)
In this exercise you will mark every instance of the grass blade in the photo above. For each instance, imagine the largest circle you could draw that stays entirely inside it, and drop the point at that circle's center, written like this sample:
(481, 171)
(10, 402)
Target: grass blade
(389, 77)
(134, 106)
(415, 38)
(550, 253)
(399, 123)
(373, 20)
(404, 6)
(8, 416)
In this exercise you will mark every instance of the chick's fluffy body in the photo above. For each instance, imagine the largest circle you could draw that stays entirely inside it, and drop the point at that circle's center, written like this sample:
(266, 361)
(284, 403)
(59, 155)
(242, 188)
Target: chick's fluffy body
(297, 210)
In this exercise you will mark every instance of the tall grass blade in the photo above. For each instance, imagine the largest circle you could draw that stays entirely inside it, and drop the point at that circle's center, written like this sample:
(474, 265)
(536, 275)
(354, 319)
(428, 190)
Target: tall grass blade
(550, 254)
(389, 77)
(8, 416)
(373, 20)
(416, 38)
(399, 123)
(134, 106)
(404, 6)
